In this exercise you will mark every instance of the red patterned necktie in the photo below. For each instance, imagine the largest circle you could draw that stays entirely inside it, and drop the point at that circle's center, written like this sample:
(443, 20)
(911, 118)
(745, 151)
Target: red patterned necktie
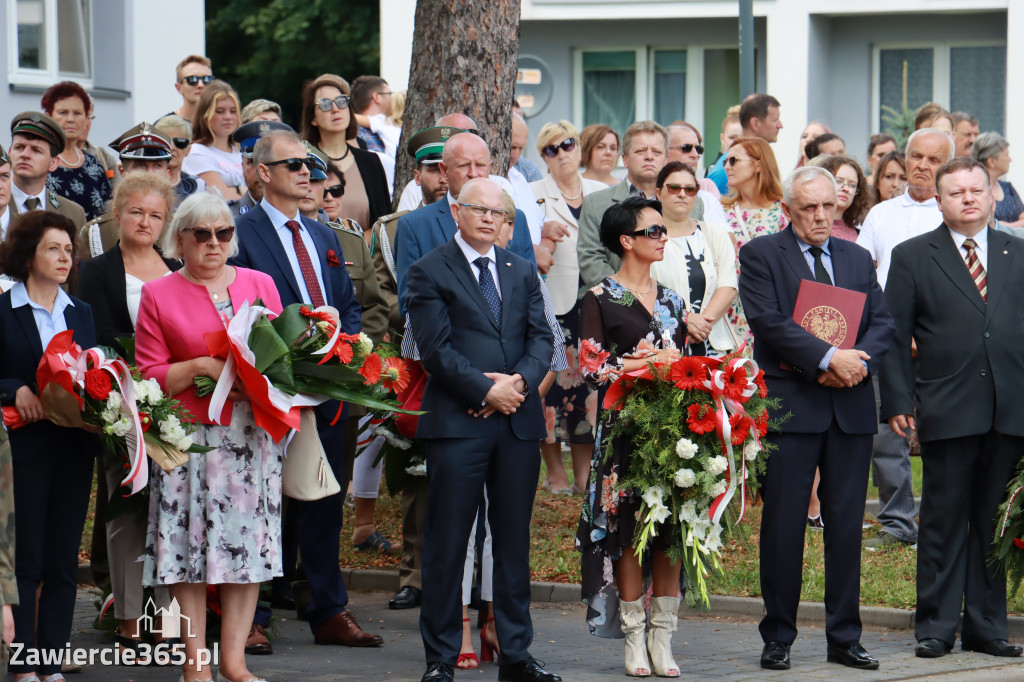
(976, 269)
(306, 265)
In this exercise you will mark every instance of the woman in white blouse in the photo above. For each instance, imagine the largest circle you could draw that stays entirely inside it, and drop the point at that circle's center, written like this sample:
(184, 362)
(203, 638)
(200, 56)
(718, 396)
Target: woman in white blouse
(214, 157)
(699, 263)
(570, 406)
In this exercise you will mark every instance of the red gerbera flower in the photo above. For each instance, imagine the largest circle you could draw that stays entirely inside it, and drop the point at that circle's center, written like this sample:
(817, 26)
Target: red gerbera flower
(761, 424)
(591, 358)
(396, 375)
(321, 315)
(762, 388)
(740, 427)
(343, 349)
(1018, 543)
(689, 373)
(734, 379)
(701, 418)
(371, 369)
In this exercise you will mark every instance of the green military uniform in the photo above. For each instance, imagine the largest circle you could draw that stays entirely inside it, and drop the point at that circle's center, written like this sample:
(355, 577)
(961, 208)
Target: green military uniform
(98, 236)
(8, 584)
(61, 205)
(383, 252)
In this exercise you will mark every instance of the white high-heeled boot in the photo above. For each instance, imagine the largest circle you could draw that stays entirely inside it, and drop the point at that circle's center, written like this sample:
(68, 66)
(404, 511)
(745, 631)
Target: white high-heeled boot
(634, 625)
(664, 620)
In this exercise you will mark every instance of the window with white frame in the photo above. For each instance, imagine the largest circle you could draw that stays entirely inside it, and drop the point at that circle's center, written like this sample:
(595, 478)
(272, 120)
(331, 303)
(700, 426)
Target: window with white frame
(50, 40)
(960, 77)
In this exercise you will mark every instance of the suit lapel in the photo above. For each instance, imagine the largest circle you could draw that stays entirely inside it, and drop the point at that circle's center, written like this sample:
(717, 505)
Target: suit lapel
(467, 278)
(557, 202)
(948, 258)
(115, 281)
(445, 221)
(793, 255)
(28, 327)
(840, 259)
(504, 265)
(264, 229)
(1000, 265)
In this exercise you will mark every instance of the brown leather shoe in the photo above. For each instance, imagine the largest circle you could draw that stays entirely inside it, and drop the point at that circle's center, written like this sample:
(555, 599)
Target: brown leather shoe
(258, 644)
(343, 629)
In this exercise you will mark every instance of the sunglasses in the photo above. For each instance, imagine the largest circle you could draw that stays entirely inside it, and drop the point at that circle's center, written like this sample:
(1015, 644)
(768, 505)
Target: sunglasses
(687, 148)
(672, 188)
(293, 165)
(204, 234)
(195, 80)
(325, 104)
(181, 142)
(651, 232)
(551, 151)
(334, 190)
(733, 160)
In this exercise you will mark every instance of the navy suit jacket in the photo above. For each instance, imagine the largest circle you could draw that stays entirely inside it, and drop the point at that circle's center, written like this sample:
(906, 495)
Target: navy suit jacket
(771, 269)
(430, 226)
(459, 340)
(20, 352)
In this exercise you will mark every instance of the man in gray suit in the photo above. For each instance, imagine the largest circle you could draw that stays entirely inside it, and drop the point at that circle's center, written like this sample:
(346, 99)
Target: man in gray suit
(955, 291)
(644, 148)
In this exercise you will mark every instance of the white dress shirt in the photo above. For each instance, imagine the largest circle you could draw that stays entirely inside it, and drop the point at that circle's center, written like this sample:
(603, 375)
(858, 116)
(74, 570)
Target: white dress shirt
(285, 235)
(472, 254)
(18, 198)
(48, 323)
(5, 220)
(891, 223)
(526, 202)
(713, 211)
(981, 239)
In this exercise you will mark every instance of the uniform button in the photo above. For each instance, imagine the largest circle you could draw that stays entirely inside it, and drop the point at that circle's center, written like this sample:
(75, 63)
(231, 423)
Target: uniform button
(984, 373)
(503, 340)
(987, 335)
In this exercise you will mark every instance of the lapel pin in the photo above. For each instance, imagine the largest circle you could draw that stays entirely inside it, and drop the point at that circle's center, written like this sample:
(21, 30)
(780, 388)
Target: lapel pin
(1005, 252)
(508, 265)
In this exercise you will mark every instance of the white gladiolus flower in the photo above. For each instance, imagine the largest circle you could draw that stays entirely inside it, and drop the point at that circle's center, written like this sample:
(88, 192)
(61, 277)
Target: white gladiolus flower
(717, 465)
(685, 478)
(688, 514)
(686, 448)
(660, 513)
(653, 496)
(750, 451)
(714, 540)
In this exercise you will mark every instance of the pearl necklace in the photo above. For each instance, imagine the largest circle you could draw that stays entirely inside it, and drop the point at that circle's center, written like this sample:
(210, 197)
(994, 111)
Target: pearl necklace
(578, 194)
(77, 163)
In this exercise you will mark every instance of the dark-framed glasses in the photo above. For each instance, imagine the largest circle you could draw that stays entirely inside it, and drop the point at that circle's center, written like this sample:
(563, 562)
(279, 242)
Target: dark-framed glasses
(325, 104)
(181, 142)
(293, 165)
(551, 150)
(733, 160)
(204, 234)
(480, 211)
(334, 190)
(849, 185)
(651, 232)
(195, 80)
(687, 148)
(672, 188)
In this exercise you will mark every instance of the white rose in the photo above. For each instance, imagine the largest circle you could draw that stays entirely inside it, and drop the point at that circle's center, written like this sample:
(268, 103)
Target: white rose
(716, 465)
(688, 514)
(114, 401)
(121, 427)
(365, 344)
(155, 392)
(652, 496)
(750, 451)
(686, 448)
(718, 488)
(685, 478)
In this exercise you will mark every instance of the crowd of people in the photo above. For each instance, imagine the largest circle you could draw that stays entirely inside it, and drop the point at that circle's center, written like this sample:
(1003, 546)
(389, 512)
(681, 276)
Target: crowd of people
(522, 297)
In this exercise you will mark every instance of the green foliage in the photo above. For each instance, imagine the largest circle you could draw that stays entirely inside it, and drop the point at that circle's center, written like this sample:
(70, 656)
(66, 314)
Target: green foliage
(1008, 547)
(899, 124)
(269, 48)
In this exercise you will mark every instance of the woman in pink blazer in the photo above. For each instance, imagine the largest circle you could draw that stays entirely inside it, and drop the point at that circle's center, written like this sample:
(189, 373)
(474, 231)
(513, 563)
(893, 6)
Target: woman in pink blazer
(217, 519)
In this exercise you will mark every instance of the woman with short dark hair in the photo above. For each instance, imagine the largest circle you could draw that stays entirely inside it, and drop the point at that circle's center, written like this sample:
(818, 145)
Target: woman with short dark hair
(630, 320)
(52, 464)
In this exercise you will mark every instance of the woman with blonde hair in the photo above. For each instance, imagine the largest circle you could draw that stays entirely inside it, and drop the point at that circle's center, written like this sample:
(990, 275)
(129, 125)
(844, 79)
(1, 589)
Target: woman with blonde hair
(214, 157)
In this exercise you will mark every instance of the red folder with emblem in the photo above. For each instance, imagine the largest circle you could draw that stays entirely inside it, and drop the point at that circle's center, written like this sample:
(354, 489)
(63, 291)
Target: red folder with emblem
(830, 313)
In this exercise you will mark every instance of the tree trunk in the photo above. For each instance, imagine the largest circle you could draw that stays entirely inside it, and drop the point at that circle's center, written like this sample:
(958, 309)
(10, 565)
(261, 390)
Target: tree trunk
(464, 56)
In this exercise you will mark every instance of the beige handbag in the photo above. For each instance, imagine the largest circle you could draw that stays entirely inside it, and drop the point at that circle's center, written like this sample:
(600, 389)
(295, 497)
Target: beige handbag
(306, 474)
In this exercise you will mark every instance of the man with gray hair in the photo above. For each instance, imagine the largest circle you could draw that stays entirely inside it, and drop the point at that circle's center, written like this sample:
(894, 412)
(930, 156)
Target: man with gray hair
(828, 392)
(965, 132)
(888, 224)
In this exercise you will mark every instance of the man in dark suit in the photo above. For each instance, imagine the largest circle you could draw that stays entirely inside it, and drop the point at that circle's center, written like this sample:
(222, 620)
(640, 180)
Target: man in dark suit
(829, 395)
(956, 292)
(465, 156)
(482, 427)
(307, 264)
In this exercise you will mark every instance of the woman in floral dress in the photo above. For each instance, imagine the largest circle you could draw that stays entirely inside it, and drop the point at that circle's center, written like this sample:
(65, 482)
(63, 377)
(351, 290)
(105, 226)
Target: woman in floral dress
(627, 321)
(753, 208)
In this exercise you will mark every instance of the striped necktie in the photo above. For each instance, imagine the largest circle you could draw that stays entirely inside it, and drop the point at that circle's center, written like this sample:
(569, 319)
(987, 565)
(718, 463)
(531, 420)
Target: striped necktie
(976, 269)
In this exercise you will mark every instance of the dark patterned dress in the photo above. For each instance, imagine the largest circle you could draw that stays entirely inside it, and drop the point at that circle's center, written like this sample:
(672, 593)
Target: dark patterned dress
(86, 185)
(614, 326)
(570, 406)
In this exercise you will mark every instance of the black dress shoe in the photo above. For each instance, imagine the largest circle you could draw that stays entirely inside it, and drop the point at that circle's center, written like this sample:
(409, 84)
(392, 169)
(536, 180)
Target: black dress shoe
(993, 647)
(931, 648)
(530, 670)
(775, 656)
(406, 598)
(439, 672)
(852, 655)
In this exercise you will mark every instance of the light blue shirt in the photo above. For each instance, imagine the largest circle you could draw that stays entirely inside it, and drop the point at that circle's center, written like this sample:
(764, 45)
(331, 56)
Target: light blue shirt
(49, 324)
(285, 235)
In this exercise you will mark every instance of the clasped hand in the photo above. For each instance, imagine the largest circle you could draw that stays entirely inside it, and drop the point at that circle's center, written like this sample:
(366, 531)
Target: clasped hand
(845, 369)
(505, 396)
(698, 326)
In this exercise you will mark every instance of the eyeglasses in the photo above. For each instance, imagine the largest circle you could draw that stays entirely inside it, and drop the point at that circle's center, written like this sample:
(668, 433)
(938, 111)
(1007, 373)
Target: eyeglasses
(385, 94)
(733, 160)
(334, 190)
(194, 80)
(551, 151)
(293, 165)
(691, 190)
(850, 185)
(181, 142)
(480, 211)
(651, 232)
(325, 104)
(204, 234)
(687, 148)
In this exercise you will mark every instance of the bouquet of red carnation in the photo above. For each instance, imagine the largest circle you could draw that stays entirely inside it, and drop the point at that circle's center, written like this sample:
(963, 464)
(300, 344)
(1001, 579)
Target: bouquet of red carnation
(298, 359)
(698, 427)
(86, 389)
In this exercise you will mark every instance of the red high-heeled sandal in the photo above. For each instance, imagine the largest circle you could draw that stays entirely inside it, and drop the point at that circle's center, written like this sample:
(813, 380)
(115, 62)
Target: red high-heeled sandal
(467, 657)
(489, 650)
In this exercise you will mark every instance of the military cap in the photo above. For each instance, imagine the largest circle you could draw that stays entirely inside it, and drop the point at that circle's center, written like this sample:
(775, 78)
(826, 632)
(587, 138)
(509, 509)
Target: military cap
(426, 145)
(248, 134)
(4, 159)
(38, 124)
(319, 171)
(143, 142)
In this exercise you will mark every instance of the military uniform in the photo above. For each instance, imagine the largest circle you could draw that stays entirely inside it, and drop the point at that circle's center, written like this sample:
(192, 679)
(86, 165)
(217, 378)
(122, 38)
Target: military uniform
(61, 205)
(98, 236)
(241, 205)
(383, 252)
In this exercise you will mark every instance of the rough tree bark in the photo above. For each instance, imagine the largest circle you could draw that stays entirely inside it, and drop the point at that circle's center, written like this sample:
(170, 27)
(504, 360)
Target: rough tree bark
(464, 56)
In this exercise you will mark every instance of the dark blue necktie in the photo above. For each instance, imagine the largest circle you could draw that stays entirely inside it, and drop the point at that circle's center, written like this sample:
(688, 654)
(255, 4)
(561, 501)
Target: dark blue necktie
(487, 287)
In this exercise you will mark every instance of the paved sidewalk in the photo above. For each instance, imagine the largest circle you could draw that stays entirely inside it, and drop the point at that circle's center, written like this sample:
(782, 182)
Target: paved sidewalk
(706, 648)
